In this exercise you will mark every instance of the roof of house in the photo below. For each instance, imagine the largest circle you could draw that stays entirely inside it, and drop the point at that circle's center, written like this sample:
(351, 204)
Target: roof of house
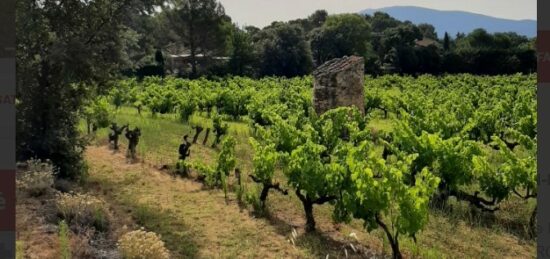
(197, 56)
(425, 42)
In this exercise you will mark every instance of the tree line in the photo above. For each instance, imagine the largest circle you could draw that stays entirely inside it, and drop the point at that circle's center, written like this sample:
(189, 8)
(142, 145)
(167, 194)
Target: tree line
(295, 48)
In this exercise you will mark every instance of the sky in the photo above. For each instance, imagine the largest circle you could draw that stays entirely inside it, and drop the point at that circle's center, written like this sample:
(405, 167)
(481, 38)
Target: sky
(262, 12)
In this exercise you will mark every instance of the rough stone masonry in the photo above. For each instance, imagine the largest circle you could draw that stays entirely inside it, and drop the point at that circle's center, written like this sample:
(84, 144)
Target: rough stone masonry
(339, 82)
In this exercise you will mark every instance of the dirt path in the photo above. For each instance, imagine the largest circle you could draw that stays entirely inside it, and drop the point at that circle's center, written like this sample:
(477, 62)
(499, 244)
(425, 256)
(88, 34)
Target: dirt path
(193, 222)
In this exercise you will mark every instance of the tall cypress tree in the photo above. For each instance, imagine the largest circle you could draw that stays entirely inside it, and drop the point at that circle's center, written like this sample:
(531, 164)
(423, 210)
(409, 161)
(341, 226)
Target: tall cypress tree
(446, 42)
(159, 58)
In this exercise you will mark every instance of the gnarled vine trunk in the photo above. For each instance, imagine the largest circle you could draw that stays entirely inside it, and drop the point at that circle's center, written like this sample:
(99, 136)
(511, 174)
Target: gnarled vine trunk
(310, 220)
(206, 137)
(198, 130)
(394, 240)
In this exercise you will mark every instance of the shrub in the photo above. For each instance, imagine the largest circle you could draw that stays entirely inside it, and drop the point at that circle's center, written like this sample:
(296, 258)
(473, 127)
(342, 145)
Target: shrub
(226, 161)
(182, 168)
(38, 179)
(252, 199)
(82, 210)
(140, 244)
(98, 114)
(207, 174)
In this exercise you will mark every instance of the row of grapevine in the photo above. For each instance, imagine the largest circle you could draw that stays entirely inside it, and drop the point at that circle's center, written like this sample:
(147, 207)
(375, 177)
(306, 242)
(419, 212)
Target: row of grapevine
(462, 136)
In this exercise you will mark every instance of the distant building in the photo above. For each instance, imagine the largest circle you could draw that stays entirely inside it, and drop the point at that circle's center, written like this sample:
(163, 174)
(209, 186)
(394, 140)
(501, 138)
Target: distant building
(180, 64)
(425, 42)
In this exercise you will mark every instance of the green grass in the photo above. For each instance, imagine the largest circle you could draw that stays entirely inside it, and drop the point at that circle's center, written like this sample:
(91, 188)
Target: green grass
(162, 134)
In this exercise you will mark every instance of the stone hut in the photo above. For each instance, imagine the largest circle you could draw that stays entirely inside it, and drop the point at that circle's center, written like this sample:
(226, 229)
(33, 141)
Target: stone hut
(339, 82)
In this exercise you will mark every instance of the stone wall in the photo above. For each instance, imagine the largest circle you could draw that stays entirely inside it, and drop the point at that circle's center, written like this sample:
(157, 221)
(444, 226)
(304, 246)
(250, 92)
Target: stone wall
(339, 82)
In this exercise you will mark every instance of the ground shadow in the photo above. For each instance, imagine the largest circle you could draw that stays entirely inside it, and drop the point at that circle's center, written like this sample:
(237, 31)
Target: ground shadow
(457, 212)
(176, 235)
(318, 243)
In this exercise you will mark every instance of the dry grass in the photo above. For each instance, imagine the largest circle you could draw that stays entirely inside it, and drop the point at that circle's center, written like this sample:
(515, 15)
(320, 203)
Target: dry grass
(38, 232)
(83, 210)
(193, 222)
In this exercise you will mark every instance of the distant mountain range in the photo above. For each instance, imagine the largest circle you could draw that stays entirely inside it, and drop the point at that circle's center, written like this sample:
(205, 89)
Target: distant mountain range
(457, 21)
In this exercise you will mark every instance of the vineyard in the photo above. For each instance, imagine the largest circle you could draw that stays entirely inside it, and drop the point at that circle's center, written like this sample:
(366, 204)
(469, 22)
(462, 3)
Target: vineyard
(458, 147)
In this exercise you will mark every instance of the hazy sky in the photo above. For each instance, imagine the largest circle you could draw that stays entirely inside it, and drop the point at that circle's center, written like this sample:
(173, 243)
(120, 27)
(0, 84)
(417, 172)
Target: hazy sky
(262, 12)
